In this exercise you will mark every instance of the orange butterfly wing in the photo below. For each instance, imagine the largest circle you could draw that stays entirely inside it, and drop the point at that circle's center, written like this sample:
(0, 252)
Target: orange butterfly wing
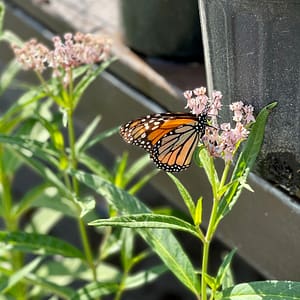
(170, 138)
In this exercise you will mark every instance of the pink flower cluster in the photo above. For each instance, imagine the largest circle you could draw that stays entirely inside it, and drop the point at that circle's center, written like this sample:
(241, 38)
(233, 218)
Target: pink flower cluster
(73, 51)
(220, 140)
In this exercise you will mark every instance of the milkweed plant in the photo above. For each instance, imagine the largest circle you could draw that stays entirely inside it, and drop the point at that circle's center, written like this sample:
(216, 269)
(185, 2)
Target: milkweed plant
(38, 139)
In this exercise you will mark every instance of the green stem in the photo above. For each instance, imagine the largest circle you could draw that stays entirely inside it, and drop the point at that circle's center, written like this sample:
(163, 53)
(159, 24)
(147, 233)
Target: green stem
(86, 247)
(74, 163)
(212, 226)
(206, 244)
(11, 222)
(71, 134)
(224, 175)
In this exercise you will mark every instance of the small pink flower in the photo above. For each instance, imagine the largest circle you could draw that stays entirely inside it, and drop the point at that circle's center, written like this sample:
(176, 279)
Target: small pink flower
(220, 141)
(71, 52)
(201, 91)
(196, 100)
(236, 106)
(248, 111)
(32, 55)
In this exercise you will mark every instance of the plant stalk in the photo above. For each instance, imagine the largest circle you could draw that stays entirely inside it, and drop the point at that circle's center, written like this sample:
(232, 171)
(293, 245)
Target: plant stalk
(206, 245)
(74, 163)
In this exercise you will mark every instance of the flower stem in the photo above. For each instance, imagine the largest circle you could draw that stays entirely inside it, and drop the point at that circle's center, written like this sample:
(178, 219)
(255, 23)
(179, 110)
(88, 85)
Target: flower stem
(11, 222)
(82, 229)
(225, 174)
(212, 226)
(206, 245)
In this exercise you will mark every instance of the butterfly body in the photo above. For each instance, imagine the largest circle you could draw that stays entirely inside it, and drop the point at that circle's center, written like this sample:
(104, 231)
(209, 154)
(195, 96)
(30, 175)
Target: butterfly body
(170, 138)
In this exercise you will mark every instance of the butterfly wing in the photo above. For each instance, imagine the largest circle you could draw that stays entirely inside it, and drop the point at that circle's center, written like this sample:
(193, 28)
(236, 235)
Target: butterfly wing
(174, 151)
(170, 138)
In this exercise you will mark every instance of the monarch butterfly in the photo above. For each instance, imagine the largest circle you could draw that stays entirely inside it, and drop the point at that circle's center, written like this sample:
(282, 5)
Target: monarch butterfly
(170, 138)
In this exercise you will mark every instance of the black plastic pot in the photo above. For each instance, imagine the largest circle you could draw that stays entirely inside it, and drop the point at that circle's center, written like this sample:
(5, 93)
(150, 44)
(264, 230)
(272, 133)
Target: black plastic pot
(163, 28)
(252, 50)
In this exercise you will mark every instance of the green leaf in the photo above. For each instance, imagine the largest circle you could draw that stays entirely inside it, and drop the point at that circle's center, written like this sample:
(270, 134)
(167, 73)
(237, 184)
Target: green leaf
(7, 283)
(99, 138)
(262, 290)
(56, 136)
(245, 162)
(43, 220)
(42, 170)
(136, 168)
(161, 241)
(87, 79)
(28, 148)
(198, 212)
(39, 243)
(209, 168)
(223, 270)
(66, 271)
(27, 200)
(21, 109)
(148, 220)
(10, 37)
(86, 135)
(2, 14)
(50, 197)
(146, 178)
(95, 290)
(86, 205)
(46, 287)
(8, 74)
(144, 277)
(187, 198)
(95, 166)
(127, 238)
(120, 170)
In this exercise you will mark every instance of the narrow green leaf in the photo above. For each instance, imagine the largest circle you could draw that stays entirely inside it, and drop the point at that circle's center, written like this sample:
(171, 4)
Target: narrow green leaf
(99, 138)
(245, 162)
(120, 170)
(210, 280)
(21, 109)
(95, 290)
(27, 200)
(127, 239)
(46, 286)
(7, 283)
(262, 290)
(147, 220)
(95, 166)
(39, 243)
(161, 241)
(224, 268)
(144, 277)
(8, 74)
(86, 135)
(136, 168)
(10, 37)
(187, 198)
(145, 179)
(209, 168)
(43, 220)
(2, 14)
(50, 197)
(88, 78)
(228, 280)
(45, 172)
(198, 212)
(55, 134)
(31, 147)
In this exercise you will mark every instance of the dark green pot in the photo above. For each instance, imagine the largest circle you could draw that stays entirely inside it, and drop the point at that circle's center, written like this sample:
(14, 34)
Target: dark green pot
(252, 50)
(163, 28)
